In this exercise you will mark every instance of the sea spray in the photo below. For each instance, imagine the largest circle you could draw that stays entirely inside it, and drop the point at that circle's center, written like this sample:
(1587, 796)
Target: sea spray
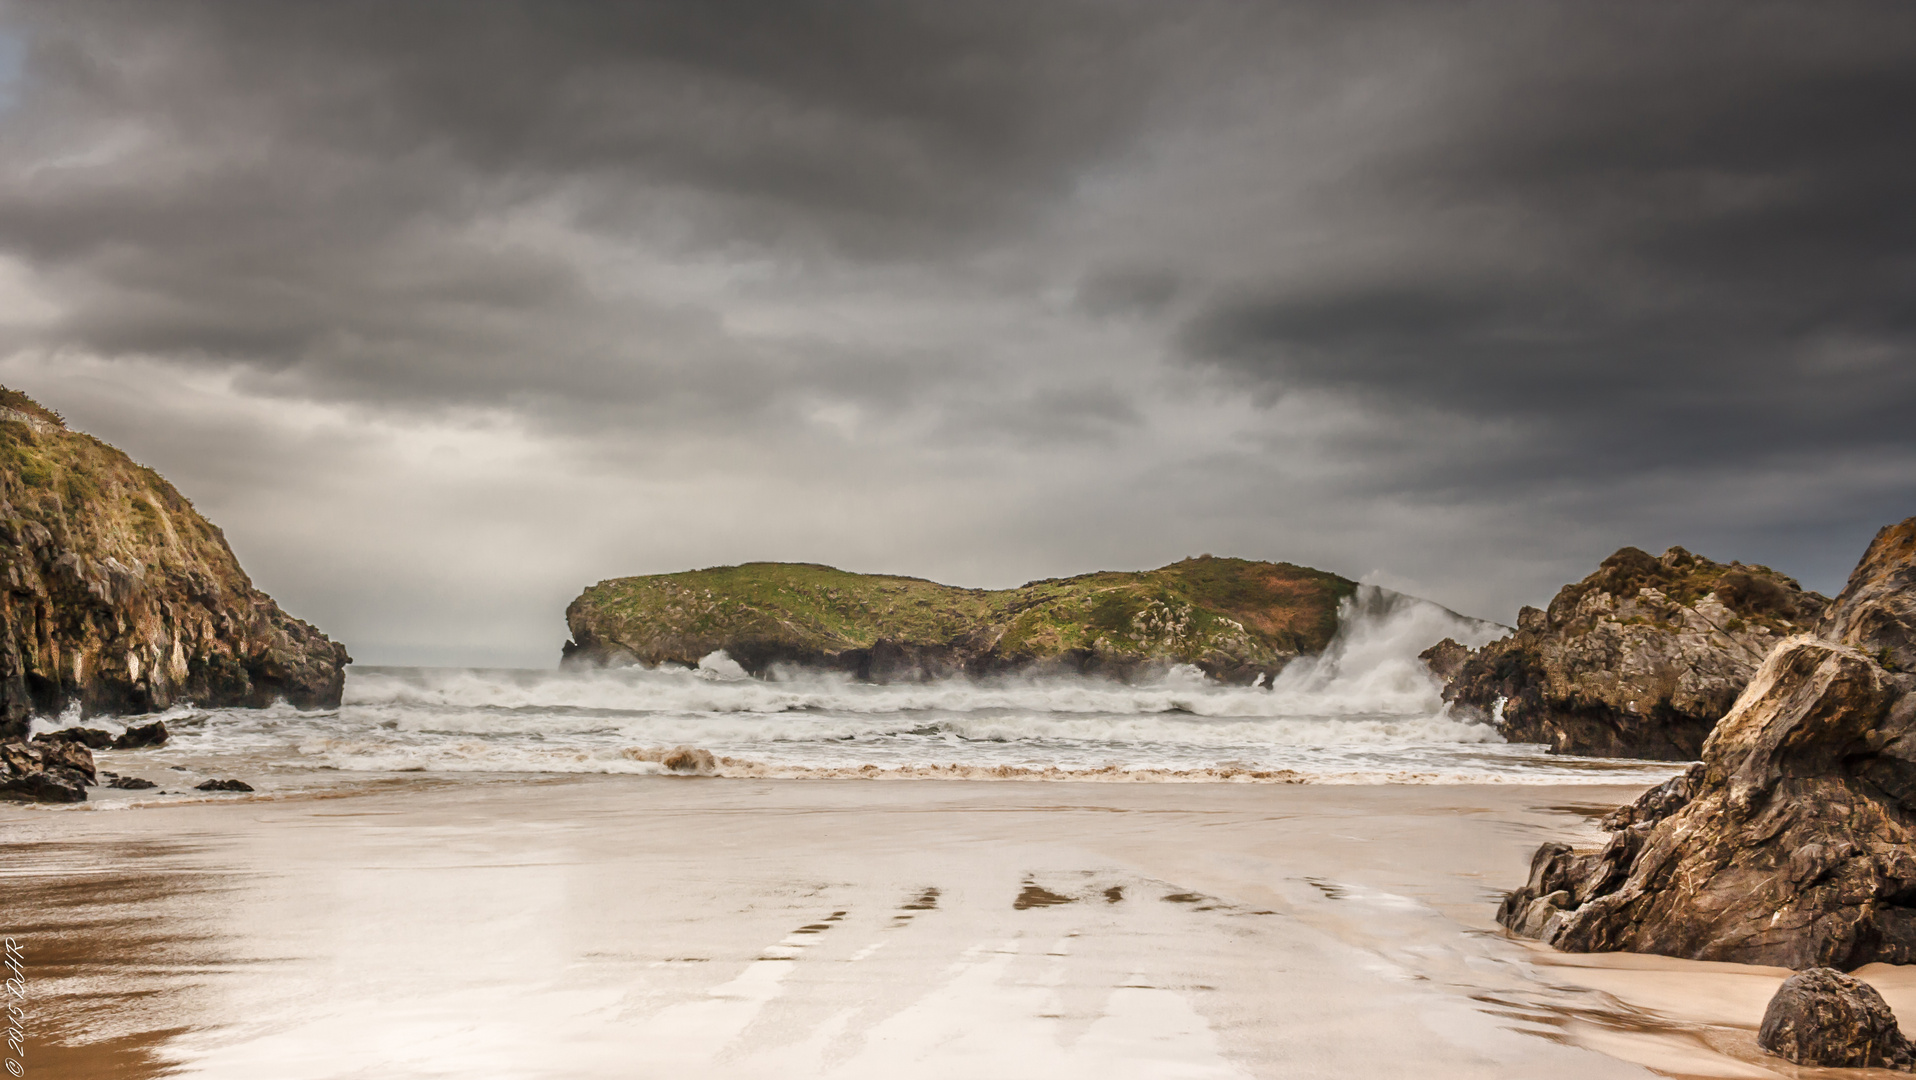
(1366, 710)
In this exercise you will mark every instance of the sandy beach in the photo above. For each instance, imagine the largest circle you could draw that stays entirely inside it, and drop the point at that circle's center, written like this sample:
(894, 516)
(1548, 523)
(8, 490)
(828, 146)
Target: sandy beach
(640, 926)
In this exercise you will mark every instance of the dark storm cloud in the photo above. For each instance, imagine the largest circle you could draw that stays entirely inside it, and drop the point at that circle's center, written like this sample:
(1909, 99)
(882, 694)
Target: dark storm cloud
(326, 193)
(1702, 244)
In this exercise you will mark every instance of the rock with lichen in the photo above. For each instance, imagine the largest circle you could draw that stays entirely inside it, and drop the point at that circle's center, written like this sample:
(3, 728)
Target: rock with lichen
(1793, 843)
(117, 597)
(1640, 659)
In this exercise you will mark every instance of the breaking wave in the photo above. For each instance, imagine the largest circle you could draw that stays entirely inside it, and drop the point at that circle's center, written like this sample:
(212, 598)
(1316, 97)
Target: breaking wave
(1366, 710)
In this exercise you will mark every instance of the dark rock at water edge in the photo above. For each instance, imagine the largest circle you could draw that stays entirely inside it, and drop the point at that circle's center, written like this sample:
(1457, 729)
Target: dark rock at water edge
(222, 785)
(130, 783)
(1446, 658)
(1792, 843)
(141, 736)
(1823, 1017)
(45, 772)
(91, 738)
(1640, 659)
(1238, 620)
(116, 596)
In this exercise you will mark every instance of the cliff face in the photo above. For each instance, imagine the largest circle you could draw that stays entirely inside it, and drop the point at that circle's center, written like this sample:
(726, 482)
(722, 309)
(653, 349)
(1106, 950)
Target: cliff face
(1793, 842)
(1640, 659)
(1234, 618)
(116, 596)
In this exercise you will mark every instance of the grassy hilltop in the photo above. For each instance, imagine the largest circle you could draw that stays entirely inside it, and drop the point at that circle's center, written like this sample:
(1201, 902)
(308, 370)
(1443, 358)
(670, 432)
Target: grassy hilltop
(116, 595)
(1232, 617)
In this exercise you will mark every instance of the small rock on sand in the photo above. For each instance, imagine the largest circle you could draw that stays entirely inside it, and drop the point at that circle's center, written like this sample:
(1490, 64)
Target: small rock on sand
(1824, 1017)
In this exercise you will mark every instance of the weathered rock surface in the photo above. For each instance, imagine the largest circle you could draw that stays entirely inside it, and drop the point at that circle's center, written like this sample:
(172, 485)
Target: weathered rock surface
(45, 772)
(1823, 1017)
(1876, 611)
(1446, 658)
(117, 597)
(1792, 843)
(1235, 619)
(222, 785)
(141, 736)
(1640, 659)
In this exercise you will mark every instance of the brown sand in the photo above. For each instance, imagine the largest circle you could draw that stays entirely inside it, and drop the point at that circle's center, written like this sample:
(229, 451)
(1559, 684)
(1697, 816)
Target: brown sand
(674, 927)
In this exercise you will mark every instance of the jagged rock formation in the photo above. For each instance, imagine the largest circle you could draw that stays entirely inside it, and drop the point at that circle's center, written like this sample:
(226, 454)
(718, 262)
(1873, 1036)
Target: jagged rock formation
(1793, 842)
(1640, 659)
(45, 772)
(116, 596)
(1237, 620)
(1824, 1017)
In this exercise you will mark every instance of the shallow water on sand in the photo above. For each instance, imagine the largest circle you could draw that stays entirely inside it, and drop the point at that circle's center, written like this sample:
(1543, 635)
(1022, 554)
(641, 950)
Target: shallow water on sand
(673, 927)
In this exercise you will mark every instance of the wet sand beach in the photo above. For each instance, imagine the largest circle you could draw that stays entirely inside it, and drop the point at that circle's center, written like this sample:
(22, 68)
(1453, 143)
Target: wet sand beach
(642, 926)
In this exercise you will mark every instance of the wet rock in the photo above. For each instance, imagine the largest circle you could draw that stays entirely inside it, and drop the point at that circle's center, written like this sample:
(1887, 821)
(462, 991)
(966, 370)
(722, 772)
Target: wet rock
(1445, 659)
(121, 599)
(91, 738)
(1640, 659)
(45, 772)
(141, 736)
(223, 785)
(131, 783)
(1793, 843)
(691, 760)
(1823, 1017)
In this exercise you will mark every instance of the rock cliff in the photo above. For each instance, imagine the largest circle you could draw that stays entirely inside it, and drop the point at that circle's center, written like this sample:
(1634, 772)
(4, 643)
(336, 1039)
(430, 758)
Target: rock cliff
(1640, 659)
(1793, 842)
(1236, 619)
(117, 597)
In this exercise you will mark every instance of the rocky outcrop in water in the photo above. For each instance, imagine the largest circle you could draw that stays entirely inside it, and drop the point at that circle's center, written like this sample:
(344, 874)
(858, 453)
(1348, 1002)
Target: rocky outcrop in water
(117, 597)
(1793, 842)
(1826, 1018)
(1238, 620)
(45, 771)
(1640, 659)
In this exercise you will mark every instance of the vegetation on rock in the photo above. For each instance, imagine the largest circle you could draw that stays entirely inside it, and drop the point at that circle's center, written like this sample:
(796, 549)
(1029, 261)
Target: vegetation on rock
(1639, 659)
(116, 596)
(1234, 618)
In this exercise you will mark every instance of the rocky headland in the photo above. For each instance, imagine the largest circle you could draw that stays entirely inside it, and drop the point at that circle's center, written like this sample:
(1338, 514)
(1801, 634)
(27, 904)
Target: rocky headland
(1237, 620)
(1640, 659)
(1793, 841)
(118, 598)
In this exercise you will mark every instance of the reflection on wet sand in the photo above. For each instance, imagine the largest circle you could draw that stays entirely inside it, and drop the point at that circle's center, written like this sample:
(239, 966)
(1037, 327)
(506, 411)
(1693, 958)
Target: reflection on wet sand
(644, 926)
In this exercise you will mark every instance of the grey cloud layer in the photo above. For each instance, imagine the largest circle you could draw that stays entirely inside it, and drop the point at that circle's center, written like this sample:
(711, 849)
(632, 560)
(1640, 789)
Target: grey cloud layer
(1438, 289)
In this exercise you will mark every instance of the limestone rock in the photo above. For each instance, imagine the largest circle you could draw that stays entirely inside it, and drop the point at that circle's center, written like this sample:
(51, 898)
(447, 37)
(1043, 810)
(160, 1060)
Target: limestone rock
(117, 597)
(45, 772)
(91, 738)
(1876, 611)
(1446, 658)
(1236, 619)
(1823, 1017)
(140, 736)
(1640, 659)
(1793, 842)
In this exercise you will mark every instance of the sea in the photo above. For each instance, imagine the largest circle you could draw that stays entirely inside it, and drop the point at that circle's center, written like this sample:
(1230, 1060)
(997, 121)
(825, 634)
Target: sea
(1366, 711)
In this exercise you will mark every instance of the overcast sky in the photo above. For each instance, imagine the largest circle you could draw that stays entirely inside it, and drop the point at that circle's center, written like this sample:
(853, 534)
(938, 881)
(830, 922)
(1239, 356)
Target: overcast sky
(446, 310)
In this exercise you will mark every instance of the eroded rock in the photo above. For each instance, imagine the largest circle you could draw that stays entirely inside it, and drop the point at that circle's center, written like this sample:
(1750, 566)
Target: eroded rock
(1640, 659)
(222, 785)
(1793, 843)
(91, 738)
(141, 736)
(45, 771)
(1824, 1017)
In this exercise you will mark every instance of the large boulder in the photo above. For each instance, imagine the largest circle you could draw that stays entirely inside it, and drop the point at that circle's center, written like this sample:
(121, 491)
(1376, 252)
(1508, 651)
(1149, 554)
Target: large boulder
(1640, 659)
(1824, 1017)
(45, 771)
(1793, 842)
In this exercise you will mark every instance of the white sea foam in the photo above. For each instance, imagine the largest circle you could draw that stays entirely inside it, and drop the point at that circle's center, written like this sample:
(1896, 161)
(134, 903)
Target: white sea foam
(1367, 710)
